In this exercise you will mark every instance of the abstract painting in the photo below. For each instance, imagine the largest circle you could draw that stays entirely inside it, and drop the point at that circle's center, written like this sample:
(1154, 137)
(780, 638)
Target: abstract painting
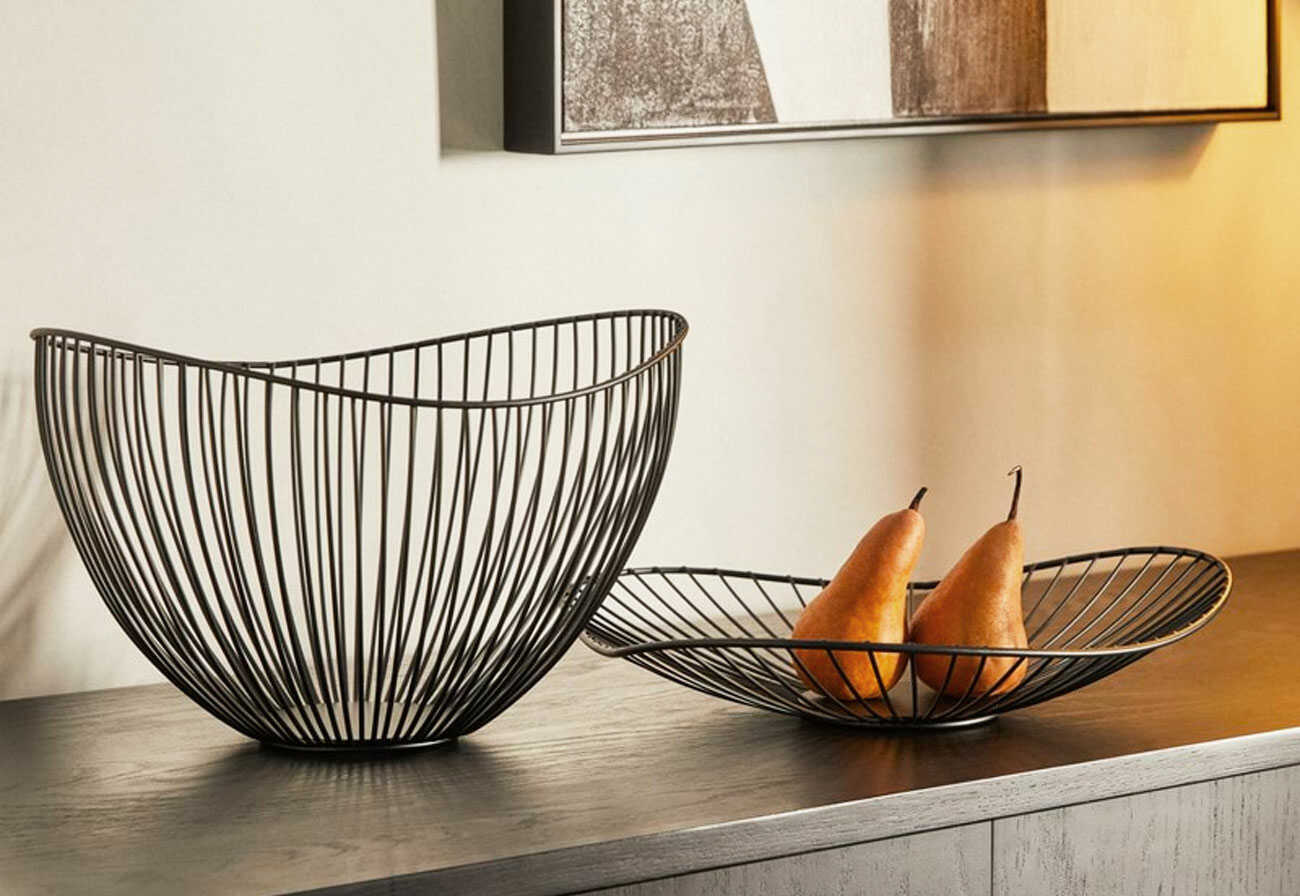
(702, 70)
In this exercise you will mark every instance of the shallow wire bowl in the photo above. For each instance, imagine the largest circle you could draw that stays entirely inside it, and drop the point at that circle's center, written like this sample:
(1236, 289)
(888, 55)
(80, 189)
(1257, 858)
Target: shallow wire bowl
(374, 550)
(727, 634)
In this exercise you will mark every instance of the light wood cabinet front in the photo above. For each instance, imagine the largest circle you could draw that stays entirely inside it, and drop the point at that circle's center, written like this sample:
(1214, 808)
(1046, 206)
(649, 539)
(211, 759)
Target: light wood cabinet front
(953, 862)
(1232, 837)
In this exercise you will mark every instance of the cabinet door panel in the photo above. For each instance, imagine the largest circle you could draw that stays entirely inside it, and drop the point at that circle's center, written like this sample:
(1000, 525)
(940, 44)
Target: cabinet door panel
(953, 862)
(1223, 838)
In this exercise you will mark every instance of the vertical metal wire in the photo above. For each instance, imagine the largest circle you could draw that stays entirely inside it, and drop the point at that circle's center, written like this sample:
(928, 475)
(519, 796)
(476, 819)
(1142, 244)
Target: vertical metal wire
(364, 551)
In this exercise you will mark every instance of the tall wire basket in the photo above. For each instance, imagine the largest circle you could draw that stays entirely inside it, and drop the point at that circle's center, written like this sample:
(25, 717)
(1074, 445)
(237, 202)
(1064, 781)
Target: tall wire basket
(374, 550)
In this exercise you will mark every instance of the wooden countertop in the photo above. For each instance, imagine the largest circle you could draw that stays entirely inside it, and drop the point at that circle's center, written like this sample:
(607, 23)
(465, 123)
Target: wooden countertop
(606, 774)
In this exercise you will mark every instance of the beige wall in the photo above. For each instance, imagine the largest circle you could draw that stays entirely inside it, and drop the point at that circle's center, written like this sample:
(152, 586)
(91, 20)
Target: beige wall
(1116, 310)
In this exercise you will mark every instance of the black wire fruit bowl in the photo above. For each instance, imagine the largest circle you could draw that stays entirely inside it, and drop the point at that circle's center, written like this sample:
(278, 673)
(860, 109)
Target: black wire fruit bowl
(727, 634)
(367, 551)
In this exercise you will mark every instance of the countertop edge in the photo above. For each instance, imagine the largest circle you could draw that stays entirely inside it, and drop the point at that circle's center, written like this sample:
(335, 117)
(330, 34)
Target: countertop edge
(618, 862)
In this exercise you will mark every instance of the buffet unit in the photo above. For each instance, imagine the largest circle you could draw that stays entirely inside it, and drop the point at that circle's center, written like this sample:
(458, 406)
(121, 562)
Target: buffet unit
(1179, 774)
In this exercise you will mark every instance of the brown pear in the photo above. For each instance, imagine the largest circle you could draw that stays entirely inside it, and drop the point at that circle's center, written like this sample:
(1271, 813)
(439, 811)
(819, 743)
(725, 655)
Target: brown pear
(866, 601)
(977, 605)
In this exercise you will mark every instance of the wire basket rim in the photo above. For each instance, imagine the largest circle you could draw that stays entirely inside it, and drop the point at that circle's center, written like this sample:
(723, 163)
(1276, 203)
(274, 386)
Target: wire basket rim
(249, 369)
(610, 650)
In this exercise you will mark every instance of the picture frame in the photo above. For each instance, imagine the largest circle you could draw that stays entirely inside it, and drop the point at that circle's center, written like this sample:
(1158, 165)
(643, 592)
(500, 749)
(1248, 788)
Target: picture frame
(588, 75)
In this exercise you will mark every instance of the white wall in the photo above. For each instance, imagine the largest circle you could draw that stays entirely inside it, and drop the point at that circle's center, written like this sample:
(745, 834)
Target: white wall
(1116, 310)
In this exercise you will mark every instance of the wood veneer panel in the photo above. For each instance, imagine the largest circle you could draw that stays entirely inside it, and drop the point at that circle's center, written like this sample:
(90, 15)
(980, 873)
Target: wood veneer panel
(1238, 836)
(968, 57)
(955, 862)
(1148, 55)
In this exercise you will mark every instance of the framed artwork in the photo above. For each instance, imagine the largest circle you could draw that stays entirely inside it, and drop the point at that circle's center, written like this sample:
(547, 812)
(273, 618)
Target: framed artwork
(585, 75)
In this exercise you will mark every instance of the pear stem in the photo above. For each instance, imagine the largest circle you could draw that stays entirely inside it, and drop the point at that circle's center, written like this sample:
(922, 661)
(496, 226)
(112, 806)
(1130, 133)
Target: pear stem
(1015, 496)
(916, 502)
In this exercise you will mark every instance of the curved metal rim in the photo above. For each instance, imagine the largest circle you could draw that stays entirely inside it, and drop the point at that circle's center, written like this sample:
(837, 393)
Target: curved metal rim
(248, 368)
(611, 650)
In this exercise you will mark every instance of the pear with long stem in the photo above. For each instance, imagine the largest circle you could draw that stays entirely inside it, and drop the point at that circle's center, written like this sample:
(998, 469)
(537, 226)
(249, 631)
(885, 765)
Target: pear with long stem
(866, 601)
(977, 605)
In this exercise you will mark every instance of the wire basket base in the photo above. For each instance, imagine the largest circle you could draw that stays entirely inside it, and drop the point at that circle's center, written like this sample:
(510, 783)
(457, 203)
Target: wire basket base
(358, 727)
(358, 749)
(902, 712)
(919, 725)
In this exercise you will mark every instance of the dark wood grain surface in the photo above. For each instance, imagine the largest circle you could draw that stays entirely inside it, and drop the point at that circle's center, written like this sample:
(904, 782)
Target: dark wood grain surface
(605, 775)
